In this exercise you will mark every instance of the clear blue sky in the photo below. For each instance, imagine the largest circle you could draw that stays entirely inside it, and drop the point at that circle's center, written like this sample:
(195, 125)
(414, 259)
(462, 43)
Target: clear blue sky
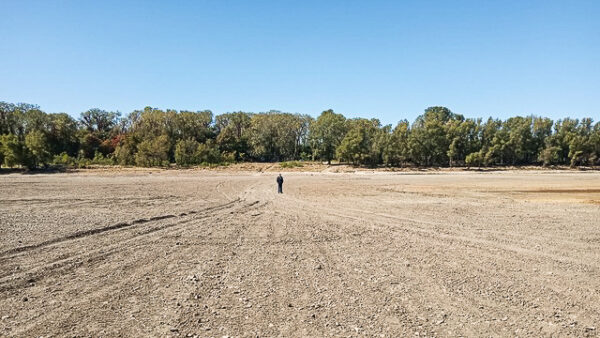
(386, 59)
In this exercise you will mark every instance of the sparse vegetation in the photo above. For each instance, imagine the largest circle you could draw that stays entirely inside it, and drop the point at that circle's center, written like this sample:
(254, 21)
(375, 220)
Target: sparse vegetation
(291, 164)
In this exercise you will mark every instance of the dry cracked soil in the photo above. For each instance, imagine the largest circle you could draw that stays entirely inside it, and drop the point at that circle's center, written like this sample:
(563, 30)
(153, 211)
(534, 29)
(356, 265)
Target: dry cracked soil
(213, 254)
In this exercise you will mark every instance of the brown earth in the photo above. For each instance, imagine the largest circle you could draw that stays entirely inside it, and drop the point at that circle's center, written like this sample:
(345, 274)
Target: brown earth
(214, 253)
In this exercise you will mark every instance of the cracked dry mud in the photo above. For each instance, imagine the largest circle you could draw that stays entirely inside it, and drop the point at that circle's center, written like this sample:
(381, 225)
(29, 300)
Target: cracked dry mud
(184, 253)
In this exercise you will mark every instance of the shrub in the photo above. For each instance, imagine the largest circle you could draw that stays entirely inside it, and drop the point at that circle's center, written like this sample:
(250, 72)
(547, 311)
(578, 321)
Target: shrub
(474, 159)
(64, 160)
(100, 159)
(291, 164)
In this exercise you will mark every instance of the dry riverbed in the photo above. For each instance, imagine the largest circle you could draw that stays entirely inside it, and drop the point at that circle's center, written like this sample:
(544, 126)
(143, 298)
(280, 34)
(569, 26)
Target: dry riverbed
(215, 253)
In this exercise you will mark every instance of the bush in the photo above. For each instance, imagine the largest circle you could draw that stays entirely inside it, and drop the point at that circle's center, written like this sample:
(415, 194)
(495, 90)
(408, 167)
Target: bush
(227, 157)
(291, 164)
(474, 159)
(64, 160)
(100, 159)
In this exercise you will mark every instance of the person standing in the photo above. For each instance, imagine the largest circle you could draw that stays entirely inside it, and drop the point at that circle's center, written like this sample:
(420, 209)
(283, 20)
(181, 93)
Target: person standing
(280, 184)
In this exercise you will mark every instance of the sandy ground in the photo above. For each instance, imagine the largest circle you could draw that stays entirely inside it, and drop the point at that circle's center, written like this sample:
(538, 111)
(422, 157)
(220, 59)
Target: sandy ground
(208, 253)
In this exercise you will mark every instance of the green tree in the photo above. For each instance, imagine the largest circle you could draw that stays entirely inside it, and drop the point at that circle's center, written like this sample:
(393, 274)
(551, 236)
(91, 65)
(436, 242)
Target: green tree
(580, 147)
(195, 125)
(156, 137)
(89, 144)
(12, 118)
(125, 150)
(39, 148)
(326, 134)
(429, 143)
(232, 133)
(276, 136)
(7, 112)
(14, 151)
(1, 153)
(464, 137)
(62, 134)
(153, 152)
(99, 122)
(360, 145)
(185, 152)
(34, 120)
(382, 143)
(498, 151)
(208, 152)
(594, 141)
(152, 123)
(398, 151)
(541, 130)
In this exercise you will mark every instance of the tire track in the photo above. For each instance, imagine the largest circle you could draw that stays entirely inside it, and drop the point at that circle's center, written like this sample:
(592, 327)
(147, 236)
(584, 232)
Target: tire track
(358, 215)
(95, 295)
(44, 270)
(117, 226)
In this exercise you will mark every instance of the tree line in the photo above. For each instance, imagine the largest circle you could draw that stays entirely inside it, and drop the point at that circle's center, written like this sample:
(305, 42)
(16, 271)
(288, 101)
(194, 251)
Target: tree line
(32, 138)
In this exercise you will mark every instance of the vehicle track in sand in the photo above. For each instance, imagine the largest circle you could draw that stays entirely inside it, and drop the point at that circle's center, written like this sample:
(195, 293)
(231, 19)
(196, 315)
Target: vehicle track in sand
(337, 254)
(100, 249)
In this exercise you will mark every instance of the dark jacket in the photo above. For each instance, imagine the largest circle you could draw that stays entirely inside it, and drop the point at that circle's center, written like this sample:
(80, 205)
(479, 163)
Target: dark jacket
(279, 180)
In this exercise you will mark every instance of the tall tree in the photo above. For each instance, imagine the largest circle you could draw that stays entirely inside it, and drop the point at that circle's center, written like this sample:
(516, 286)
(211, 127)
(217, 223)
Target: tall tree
(360, 146)
(39, 148)
(99, 122)
(464, 137)
(14, 151)
(153, 152)
(276, 136)
(397, 153)
(429, 143)
(326, 134)
(62, 134)
(232, 133)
